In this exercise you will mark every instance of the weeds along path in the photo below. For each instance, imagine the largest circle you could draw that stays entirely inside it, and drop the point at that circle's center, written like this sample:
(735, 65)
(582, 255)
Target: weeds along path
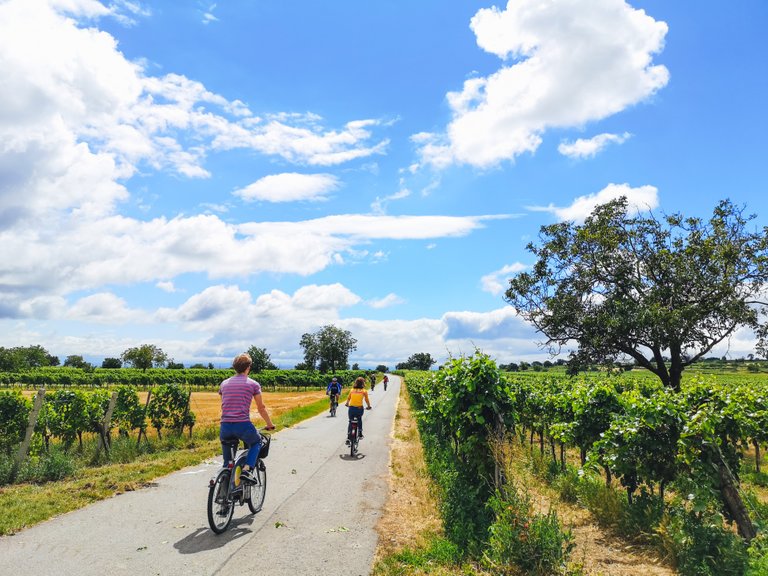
(319, 515)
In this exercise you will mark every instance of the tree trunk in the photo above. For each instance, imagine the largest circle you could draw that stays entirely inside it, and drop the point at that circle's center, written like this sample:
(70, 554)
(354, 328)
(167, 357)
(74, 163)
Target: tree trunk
(729, 491)
(552, 448)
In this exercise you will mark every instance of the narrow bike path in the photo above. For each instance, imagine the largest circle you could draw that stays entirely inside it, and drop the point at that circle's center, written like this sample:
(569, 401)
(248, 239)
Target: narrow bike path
(319, 515)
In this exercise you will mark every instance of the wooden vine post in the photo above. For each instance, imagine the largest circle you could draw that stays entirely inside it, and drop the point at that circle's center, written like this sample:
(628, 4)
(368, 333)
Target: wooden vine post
(104, 432)
(143, 429)
(31, 423)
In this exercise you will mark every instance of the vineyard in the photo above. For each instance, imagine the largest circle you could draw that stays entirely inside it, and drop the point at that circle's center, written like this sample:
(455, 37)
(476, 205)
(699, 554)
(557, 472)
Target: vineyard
(86, 412)
(680, 472)
(63, 377)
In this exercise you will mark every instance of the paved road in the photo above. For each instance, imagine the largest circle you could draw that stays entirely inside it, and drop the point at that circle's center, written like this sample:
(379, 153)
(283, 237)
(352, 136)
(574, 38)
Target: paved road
(319, 515)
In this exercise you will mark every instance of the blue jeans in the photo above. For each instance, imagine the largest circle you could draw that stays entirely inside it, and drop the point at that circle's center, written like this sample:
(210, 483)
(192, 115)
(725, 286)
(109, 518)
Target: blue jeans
(356, 411)
(246, 432)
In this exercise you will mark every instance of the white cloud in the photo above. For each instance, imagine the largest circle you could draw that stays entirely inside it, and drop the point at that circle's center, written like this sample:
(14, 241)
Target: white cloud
(640, 199)
(104, 308)
(366, 227)
(387, 301)
(566, 64)
(166, 286)
(379, 205)
(496, 282)
(589, 148)
(289, 187)
(77, 119)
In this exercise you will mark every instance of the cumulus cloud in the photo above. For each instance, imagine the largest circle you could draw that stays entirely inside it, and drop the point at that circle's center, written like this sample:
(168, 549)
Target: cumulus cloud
(104, 308)
(387, 301)
(77, 119)
(496, 282)
(639, 199)
(502, 323)
(565, 64)
(166, 286)
(289, 187)
(589, 148)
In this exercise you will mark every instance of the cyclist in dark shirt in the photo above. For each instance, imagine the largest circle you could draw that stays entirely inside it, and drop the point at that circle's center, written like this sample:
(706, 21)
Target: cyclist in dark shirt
(334, 389)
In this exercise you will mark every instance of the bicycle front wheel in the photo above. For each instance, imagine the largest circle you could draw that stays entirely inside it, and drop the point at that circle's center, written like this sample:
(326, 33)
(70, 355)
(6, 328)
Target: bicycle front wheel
(256, 492)
(220, 507)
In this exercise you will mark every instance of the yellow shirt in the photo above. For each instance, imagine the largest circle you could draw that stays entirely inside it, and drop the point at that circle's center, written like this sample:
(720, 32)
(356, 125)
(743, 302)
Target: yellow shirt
(356, 397)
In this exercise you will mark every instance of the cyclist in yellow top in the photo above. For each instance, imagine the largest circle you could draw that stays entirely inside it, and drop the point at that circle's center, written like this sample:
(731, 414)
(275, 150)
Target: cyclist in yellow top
(355, 400)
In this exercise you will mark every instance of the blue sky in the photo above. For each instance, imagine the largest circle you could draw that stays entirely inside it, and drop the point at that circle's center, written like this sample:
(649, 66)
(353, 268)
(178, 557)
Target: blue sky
(210, 176)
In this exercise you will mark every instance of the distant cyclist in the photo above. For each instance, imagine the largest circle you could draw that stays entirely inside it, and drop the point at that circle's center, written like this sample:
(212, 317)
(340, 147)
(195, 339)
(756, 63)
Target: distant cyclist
(373, 380)
(355, 400)
(385, 380)
(334, 389)
(236, 395)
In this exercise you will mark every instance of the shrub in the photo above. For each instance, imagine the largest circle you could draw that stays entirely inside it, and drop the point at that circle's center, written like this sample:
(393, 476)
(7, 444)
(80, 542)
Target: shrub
(522, 542)
(700, 544)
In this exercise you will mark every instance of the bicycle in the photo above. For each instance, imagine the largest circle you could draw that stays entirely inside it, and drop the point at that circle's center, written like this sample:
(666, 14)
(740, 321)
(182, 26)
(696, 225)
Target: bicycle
(226, 490)
(334, 404)
(353, 437)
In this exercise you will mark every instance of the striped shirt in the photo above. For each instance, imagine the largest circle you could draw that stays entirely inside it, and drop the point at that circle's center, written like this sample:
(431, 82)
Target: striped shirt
(237, 393)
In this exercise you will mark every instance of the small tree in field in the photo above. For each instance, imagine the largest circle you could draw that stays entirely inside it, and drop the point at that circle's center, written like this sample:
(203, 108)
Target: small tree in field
(261, 360)
(663, 292)
(418, 361)
(145, 356)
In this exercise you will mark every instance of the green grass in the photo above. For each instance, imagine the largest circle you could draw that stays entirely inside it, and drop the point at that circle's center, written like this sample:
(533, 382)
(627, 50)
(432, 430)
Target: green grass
(27, 504)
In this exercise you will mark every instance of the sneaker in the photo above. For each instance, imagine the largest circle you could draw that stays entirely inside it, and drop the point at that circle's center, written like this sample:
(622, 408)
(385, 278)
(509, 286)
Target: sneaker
(347, 442)
(361, 436)
(247, 476)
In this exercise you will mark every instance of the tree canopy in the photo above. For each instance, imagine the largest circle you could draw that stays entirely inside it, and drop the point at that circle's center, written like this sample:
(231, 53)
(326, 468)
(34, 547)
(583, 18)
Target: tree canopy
(418, 361)
(25, 357)
(661, 291)
(261, 360)
(327, 349)
(145, 356)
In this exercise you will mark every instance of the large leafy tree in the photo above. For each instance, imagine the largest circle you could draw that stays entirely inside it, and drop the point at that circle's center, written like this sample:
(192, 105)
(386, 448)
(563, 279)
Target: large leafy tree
(145, 356)
(25, 357)
(329, 348)
(261, 359)
(661, 291)
(418, 361)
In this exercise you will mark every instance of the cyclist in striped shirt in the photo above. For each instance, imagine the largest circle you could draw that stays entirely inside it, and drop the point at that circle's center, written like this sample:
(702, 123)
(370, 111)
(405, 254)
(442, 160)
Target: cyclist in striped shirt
(236, 395)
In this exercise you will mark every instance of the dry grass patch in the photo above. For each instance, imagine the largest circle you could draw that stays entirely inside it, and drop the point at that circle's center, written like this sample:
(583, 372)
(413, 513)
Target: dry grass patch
(410, 516)
(596, 549)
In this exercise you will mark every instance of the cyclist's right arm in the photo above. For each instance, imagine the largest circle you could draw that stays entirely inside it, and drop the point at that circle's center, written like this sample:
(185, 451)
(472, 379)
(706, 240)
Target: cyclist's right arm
(263, 411)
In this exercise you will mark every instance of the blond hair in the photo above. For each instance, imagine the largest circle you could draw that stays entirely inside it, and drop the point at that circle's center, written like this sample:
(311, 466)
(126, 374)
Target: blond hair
(360, 382)
(241, 363)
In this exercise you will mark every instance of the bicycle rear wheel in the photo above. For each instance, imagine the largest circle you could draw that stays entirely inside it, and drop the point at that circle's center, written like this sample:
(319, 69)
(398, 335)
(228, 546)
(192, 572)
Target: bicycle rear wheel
(255, 493)
(220, 507)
